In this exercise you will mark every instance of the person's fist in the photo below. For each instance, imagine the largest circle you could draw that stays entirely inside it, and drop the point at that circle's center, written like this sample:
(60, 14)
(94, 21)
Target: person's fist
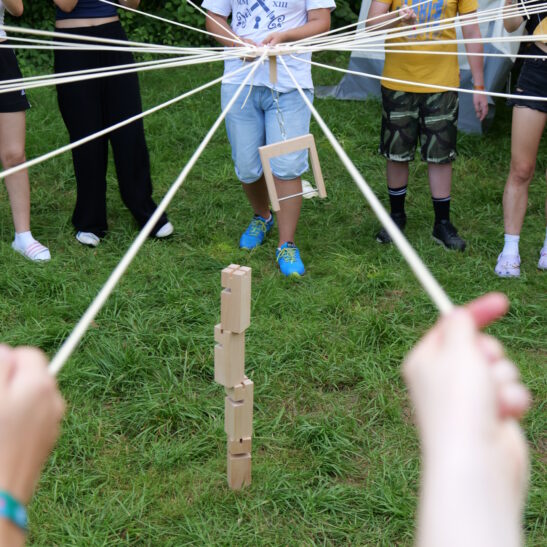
(31, 410)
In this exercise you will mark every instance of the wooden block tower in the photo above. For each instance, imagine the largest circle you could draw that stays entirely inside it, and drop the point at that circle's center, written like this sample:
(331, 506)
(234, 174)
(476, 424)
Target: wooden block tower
(235, 317)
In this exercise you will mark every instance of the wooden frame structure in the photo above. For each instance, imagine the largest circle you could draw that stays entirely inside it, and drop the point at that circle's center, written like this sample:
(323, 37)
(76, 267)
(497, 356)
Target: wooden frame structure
(270, 151)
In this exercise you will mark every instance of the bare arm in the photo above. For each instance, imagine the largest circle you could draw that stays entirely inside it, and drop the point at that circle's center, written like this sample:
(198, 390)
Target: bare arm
(15, 7)
(381, 15)
(318, 21)
(218, 24)
(476, 63)
(66, 5)
(130, 3)
(512, 23)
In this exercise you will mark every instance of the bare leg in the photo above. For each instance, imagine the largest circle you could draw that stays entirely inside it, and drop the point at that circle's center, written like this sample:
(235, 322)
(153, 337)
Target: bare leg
(257, 194)
(440, 179)
(12, 152)
(528, 126)
(397, 174)
(287, 216)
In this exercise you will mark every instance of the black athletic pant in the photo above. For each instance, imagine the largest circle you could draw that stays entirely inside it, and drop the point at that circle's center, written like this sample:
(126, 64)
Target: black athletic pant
(92, 105)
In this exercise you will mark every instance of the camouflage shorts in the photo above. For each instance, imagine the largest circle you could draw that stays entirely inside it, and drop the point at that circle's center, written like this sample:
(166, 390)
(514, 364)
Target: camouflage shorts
(430, 117)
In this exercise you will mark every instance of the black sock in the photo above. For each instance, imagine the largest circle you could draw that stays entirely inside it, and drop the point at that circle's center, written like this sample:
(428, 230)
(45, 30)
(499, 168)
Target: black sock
(441, 206)
(397, 199)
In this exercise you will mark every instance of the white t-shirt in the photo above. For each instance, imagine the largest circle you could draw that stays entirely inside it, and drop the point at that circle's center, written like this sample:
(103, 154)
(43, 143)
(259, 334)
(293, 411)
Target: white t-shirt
(2, 31)
(255, 20)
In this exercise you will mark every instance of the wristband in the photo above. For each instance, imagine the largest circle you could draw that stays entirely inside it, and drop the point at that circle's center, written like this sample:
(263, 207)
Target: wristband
(13, 511)
(478, 87)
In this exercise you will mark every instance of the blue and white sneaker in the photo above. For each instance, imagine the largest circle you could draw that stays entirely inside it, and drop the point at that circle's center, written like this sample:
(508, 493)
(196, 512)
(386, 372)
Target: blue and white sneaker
(256, 232)
(288, 258)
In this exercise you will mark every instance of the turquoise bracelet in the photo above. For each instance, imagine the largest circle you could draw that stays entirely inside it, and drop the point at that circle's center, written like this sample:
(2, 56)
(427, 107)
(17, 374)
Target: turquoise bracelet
(13, 511)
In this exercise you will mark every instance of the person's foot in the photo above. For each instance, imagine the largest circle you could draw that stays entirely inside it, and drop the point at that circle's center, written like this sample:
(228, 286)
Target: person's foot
(256, 232)
(400, 220)
(289, 261)
(445, 233)
(508, 266)
(542, 263)
(165, 231)
(88, 238)
(35, 251)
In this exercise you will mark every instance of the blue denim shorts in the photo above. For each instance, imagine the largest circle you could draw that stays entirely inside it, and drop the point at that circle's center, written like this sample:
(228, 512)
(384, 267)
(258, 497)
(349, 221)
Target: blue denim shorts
(253, 122)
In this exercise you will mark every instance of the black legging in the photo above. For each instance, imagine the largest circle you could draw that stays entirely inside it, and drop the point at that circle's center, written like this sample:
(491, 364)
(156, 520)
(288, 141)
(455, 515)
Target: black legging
(92, 105)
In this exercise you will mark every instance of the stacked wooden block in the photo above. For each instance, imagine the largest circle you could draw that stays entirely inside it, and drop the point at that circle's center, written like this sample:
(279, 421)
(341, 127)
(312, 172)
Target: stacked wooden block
(235, 317)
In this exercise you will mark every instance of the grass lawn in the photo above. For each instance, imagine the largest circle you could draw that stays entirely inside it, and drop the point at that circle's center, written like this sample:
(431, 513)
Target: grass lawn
(335, 456)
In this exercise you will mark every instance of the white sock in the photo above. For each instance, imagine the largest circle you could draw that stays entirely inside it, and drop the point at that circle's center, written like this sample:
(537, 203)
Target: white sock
(511, 247)
(545, 242)
(23, 239)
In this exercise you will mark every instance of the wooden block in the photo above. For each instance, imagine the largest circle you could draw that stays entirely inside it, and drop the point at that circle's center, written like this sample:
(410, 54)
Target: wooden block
(238, 417)
(285, 147)
(226, 273)
(241, 391)
(239, 470)
(273, 69)
(240, 446)
(235, 299)
(229, 357)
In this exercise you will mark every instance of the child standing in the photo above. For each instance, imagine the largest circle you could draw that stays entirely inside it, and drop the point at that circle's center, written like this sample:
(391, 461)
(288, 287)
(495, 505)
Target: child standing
(412, 112)
(265, 113)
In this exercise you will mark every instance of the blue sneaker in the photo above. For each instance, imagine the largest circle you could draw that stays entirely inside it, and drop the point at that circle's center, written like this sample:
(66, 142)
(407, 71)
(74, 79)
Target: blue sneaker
(288, 258)
(256, 232)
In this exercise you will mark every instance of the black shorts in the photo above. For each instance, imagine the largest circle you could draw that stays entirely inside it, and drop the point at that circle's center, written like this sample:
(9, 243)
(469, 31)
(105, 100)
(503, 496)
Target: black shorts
(13, 101)
(532, 81)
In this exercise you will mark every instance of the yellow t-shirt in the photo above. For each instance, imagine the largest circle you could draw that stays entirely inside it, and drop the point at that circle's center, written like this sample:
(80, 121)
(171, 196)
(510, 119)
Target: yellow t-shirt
(421, 67)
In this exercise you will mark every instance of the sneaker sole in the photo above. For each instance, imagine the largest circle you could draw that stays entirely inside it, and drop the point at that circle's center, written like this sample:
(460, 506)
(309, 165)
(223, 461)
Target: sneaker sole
(507, 275)
(441, 242)
(383, 242)
(90, 245)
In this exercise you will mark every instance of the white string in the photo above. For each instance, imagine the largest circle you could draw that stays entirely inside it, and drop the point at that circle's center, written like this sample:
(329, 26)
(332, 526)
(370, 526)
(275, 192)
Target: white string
(391, 34)
(485, 16)
(82, 37)
(29, 79)
(156, 65)
(57, 45)
(227, 29)
(503, 54)
(67, 147)
(420, 84)
(171, 22)
(329, 37)
(69, 345)
(428, 282)
(372, 34)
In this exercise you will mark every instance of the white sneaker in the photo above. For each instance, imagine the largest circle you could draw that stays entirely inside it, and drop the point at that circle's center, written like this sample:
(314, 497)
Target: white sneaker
(166, 230)
(308, 191)
(542, 264)
(508, 266)
(88, 238)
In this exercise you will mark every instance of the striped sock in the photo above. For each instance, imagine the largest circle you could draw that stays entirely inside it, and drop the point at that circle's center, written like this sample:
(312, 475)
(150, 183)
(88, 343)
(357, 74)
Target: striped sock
(397, 199)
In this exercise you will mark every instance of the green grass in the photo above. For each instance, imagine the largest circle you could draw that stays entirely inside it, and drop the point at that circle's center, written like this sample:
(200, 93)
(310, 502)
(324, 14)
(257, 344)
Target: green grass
(335, 457)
